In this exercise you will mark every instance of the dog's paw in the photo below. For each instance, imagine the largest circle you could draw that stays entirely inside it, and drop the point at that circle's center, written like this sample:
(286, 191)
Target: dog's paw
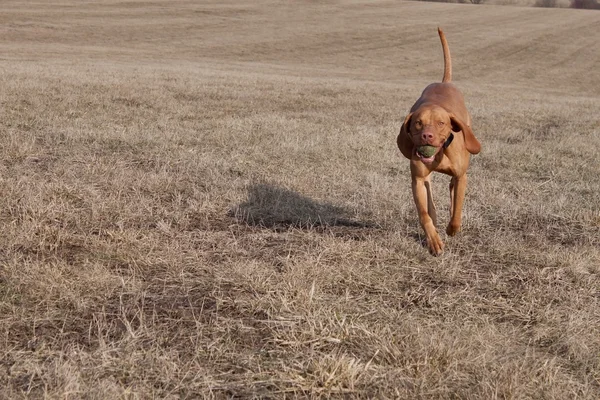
(435, 244)
(453, 229)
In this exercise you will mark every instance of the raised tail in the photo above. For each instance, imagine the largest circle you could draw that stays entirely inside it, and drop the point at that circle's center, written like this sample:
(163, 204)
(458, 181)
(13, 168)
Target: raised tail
(447, 60)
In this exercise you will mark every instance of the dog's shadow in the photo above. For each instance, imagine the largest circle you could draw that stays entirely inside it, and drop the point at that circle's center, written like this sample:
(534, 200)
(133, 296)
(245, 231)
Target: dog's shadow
(272, 206)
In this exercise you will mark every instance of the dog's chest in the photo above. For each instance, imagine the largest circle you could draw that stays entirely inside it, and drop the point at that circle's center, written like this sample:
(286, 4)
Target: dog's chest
(446, 166)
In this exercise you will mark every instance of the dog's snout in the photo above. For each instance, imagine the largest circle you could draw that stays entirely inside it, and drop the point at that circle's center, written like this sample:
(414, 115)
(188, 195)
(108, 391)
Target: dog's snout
(427, 136)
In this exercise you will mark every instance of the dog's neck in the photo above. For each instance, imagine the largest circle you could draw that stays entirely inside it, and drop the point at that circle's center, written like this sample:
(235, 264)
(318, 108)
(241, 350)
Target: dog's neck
(449, 140)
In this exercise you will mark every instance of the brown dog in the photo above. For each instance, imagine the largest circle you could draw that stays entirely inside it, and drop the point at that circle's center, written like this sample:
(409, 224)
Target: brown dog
(440, 119)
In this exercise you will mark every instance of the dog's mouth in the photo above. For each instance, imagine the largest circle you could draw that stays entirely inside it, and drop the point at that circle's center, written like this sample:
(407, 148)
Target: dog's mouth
(427, 153)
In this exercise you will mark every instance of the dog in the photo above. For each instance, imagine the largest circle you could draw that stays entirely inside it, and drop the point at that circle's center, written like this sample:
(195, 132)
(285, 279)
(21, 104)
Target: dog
(436, 136)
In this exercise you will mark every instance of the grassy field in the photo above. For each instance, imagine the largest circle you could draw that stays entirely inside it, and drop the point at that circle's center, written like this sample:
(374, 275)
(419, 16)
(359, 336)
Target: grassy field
(205, 199)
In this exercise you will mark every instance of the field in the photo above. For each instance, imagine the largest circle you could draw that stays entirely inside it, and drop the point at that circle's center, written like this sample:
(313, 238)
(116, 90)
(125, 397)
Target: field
(205, 200)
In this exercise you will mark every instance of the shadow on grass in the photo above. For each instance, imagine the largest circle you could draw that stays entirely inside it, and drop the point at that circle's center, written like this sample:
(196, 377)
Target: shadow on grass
(271, 206)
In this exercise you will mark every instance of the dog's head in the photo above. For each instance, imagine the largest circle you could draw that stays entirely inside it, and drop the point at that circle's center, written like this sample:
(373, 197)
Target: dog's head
(431, 125)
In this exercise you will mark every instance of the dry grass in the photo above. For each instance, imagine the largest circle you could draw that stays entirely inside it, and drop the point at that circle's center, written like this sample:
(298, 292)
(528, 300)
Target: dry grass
(205, 200)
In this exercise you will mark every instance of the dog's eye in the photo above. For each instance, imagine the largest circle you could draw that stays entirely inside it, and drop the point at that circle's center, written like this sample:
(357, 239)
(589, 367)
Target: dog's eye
(441, 123)
(418, 124)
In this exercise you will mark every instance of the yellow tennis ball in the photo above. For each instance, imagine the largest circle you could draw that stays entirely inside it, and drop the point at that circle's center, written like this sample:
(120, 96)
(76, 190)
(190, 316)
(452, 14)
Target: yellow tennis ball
(427, 150)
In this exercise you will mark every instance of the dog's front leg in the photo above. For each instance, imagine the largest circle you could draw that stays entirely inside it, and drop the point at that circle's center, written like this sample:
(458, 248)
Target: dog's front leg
(420, 195)
(430, 204)
(458, 186)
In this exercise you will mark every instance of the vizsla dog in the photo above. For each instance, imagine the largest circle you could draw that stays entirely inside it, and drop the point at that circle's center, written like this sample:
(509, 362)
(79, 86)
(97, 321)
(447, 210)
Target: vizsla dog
(437, 136)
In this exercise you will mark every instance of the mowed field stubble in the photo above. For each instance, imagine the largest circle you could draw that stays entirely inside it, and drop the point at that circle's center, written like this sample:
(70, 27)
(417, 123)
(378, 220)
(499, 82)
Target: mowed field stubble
(205, 199)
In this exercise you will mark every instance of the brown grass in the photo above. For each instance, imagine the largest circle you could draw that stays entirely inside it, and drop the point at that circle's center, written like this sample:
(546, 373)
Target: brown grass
(205, 200)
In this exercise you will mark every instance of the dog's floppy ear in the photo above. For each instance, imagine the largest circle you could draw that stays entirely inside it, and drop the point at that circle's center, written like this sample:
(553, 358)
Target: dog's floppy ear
(471, 143)
(405, 143)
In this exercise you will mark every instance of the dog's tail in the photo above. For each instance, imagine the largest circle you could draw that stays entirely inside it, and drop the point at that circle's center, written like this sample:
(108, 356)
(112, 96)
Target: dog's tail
(447, 60)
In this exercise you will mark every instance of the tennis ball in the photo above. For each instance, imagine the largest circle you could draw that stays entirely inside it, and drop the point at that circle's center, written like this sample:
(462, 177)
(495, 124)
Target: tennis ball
(427, 151)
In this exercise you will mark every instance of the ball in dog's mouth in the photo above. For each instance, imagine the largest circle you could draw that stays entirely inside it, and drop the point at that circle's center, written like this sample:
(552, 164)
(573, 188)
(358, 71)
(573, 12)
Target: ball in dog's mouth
(427, 151)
